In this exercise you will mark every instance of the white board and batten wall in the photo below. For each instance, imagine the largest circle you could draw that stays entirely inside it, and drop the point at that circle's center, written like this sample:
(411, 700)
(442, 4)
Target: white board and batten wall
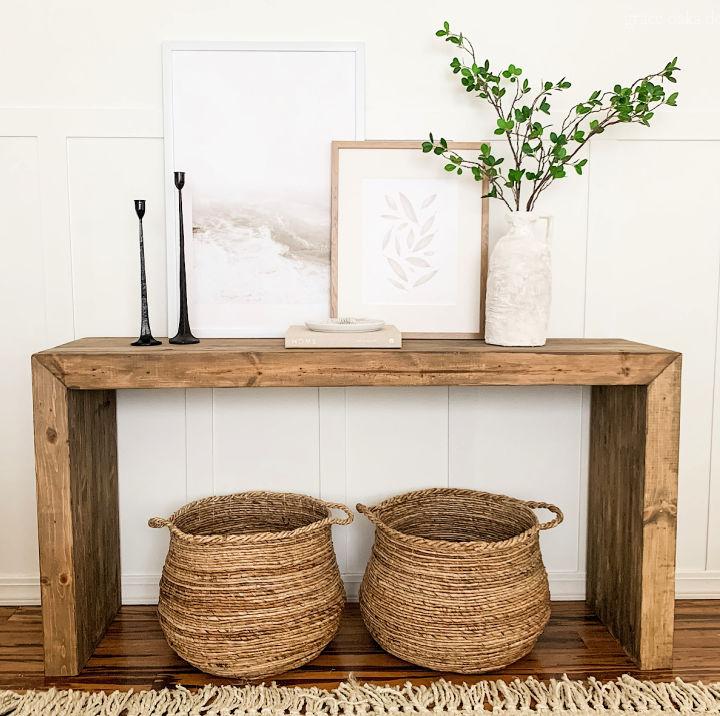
(636, 255)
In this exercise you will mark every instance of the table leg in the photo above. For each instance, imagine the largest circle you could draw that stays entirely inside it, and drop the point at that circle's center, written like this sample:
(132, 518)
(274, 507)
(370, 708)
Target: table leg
(632, 509)
(78, 521)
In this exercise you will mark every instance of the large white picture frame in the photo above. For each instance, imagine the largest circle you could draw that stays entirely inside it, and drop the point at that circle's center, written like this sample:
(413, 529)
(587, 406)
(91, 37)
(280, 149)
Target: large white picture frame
(251, 125)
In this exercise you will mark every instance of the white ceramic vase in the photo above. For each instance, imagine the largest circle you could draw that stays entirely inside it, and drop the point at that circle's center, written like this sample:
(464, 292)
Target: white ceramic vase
(519, 284)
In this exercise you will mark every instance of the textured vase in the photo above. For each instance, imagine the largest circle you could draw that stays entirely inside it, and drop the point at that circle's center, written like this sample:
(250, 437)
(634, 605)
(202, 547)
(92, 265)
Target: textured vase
(519, 284)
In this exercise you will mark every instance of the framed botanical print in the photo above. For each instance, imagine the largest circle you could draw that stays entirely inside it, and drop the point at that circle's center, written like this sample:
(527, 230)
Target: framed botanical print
(409, 240)
(255, 149)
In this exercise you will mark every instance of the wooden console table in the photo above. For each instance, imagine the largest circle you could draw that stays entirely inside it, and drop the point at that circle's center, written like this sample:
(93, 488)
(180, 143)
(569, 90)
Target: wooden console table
(633, 460)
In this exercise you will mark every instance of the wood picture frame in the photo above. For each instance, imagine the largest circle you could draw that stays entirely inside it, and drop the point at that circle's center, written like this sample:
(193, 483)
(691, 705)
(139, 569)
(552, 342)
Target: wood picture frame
(483, 237)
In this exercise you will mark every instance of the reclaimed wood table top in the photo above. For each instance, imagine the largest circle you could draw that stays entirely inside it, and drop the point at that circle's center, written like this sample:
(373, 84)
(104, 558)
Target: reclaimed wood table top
(109, 363)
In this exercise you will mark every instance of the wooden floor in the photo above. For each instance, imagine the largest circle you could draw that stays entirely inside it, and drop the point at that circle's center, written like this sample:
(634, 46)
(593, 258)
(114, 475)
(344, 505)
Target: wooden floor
(134, 653)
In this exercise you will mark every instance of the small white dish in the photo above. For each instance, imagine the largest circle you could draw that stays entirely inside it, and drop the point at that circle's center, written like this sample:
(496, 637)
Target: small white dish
(345, 325)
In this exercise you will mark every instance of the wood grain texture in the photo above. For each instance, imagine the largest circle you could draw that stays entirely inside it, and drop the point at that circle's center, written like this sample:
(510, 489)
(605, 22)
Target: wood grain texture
(336, 148)
(109, 363)
(632, 508)
(78, 522)
(134, 653)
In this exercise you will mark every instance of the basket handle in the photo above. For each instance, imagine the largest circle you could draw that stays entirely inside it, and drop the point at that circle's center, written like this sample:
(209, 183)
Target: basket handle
(559, 517)
(339, 520)
(156, 522)
(365, 510)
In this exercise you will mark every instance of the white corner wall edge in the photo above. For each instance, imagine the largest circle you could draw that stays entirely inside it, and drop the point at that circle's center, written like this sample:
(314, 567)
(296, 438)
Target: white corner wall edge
(24, 590)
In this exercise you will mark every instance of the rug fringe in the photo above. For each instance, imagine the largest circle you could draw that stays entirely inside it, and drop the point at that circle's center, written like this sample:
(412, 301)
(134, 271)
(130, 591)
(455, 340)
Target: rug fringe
(517, 698)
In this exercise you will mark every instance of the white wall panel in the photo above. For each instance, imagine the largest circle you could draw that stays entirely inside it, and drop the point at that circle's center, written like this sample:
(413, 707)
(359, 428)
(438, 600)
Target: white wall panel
(151, 462)
(105, 176)
(266, 440)
(84, 121)
(333, 464)
(397, 440)
(22, 325)
(523, 442)
(713, 507)
(653, 260)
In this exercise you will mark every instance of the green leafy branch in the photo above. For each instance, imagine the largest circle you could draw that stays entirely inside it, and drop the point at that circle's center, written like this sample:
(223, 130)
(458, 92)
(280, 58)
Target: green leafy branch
(538, 152)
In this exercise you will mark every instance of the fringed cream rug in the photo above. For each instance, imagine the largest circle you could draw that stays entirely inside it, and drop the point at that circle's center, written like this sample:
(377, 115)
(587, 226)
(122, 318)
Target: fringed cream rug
(563, 696)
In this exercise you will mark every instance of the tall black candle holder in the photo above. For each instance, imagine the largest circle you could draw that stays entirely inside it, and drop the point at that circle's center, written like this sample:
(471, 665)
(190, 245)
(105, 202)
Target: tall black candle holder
(146, 336)
(184, 335)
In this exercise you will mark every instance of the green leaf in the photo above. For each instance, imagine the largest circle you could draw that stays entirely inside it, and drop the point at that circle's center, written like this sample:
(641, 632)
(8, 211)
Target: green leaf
(485, 149)
(449, 167)
(427, 147)
(515, 175)
(440, 33)
(672, 99)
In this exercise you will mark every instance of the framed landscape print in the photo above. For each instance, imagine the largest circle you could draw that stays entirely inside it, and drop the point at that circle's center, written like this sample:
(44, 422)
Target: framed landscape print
(251, 125)
(409, 240)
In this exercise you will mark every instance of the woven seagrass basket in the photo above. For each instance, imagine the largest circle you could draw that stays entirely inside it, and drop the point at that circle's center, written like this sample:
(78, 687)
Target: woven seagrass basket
(456, 581)
(250, 586)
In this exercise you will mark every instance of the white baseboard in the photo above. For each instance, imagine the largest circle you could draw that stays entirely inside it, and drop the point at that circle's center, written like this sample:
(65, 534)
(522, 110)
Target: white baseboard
(143, 588)
(19, 590)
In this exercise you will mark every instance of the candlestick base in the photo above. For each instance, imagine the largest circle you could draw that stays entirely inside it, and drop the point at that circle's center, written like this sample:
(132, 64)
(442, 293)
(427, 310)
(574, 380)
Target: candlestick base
(184, 339)
(146, 340)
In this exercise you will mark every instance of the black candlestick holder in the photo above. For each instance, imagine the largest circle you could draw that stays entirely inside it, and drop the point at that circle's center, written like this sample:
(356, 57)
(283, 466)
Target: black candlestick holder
(146, 336)
(184, 335)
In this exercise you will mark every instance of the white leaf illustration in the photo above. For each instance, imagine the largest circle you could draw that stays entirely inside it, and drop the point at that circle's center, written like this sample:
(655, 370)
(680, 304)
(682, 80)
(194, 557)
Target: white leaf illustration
(397, 268)
(386, 240)
(407, 207)
(424, 279)
(427, 225)
(409, 238)
(392, 217)
(397, 244)
(427, 201)
(418, 262)
(390, 202)
(424, 241)
(397, 284)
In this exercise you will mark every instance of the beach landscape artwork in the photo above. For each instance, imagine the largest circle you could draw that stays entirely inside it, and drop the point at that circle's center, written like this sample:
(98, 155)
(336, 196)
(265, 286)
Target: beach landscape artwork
(256, 152)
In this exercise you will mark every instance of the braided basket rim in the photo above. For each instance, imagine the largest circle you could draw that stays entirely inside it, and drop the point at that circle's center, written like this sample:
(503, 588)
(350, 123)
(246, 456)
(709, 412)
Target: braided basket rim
(467, 545)
(252, 537)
